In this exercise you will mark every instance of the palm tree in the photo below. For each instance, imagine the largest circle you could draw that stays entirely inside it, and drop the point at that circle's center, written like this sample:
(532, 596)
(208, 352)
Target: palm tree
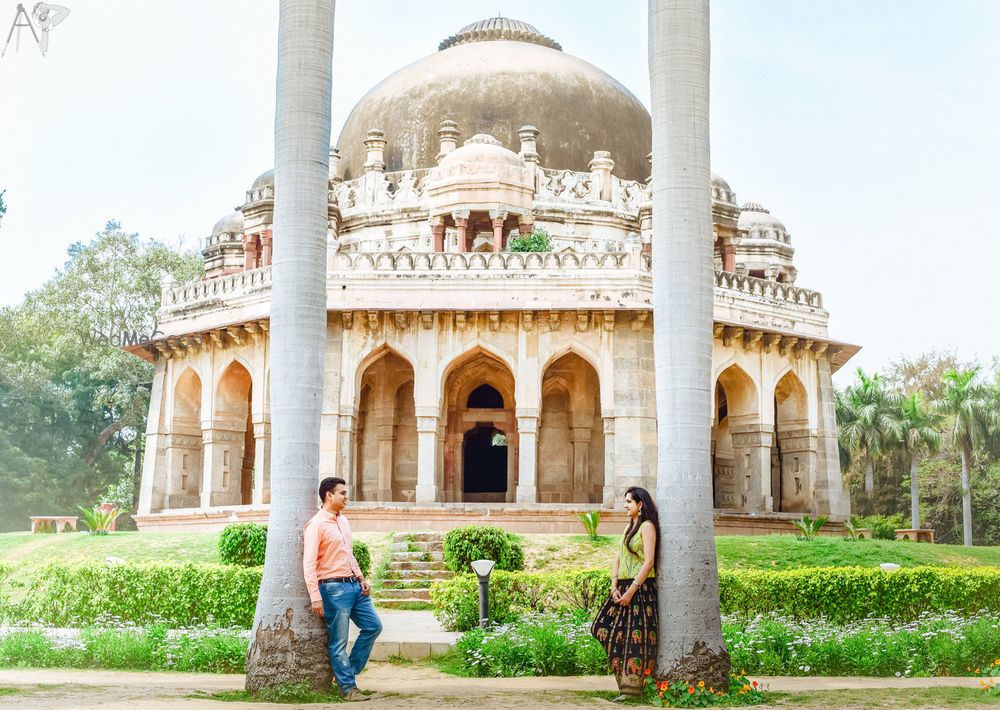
(871, 425)
(969, 405)
(288, 643)
(690, 641)
(918, 432)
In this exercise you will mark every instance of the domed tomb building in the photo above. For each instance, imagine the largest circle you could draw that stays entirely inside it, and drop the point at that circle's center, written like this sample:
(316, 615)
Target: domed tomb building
(467, 380)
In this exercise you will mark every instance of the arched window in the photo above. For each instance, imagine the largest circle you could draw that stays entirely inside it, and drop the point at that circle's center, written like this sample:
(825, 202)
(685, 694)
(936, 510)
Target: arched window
(484, 397)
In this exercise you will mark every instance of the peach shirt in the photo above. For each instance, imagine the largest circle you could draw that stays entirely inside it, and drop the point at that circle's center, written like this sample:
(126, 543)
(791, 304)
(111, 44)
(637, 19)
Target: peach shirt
(329, 551)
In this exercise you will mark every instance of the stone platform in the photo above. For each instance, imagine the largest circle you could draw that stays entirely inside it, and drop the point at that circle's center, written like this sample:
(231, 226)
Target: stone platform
(400, 517)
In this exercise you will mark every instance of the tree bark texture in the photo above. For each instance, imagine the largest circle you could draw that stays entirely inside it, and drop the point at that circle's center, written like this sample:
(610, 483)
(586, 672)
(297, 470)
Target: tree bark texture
(914, 494)
(690, 644)
(966, 494)
(288, 643)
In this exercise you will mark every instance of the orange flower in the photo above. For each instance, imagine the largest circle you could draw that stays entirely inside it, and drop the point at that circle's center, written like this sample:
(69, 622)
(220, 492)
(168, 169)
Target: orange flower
(755, 684)
(701, 684)
(711, 690)
(648, 671)
(690, 690)
(663, 685)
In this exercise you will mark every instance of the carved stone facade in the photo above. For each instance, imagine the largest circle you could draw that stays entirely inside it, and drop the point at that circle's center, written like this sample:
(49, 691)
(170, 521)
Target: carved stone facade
(460, 373)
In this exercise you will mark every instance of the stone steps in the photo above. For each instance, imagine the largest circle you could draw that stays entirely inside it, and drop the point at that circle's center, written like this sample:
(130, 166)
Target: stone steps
(415, 561)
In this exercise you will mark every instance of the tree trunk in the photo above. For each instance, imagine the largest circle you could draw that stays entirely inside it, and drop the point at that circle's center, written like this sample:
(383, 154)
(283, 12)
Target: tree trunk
(288, 643)
(966, 494)
(690, 641)
(869, 474)
(914, 494)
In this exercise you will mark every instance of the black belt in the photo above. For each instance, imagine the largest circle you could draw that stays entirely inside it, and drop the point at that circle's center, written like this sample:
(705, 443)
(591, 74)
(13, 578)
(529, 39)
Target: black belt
(338, 579)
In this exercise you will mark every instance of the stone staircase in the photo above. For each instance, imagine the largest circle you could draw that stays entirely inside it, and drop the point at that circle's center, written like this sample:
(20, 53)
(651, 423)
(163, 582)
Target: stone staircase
(415, 560)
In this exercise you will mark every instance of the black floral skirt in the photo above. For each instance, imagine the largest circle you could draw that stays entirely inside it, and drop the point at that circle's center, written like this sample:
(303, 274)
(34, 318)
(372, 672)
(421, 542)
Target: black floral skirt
(628, 635)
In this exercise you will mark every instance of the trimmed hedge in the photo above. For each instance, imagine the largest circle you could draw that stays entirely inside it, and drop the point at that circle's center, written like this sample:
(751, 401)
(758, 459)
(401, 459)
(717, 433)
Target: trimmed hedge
(245, 544)
(482, 542)
(839, 593)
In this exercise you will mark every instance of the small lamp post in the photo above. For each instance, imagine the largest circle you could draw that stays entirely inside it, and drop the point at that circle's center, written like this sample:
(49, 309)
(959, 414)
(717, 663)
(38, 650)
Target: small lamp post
(483, 568)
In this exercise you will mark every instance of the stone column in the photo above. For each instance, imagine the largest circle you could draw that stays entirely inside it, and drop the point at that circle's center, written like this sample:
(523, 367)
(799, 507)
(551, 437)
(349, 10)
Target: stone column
(437, 232)
(427, 438)
(497, 218)
(752, 466)
(249, 251)
(386, 428)
(581, 460)
(345, 455)
(527, 436)
(335, 174)
(375, 151)
(529, 144)
(461, 218)
(602, 165)
(525, 225)
(265, 248)
(829, 496)
(798, 467)
(609, 497)
(728, 255)
(448, 137)
(262, 463)
(152, 493)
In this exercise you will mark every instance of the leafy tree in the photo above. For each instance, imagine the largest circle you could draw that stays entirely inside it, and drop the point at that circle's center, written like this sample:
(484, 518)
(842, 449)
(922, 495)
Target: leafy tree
(72, 405)
(538, 240)
(918, 433)
(870, 425)
(972, 410)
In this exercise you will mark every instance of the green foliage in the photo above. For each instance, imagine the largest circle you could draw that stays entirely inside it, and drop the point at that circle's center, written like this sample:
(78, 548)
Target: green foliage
(245, 544)
(854, 529)
(590, 520)
(809, 527)
(990, 674)
(884, 527)
(99, 519)
(72, 406)
(841, 594)
(537, 241)
(482, 542)
(123, 647)
(694, 693)
(173, 594)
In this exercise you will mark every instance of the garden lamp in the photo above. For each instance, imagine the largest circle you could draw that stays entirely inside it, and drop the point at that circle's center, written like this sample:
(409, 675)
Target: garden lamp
(483, 568)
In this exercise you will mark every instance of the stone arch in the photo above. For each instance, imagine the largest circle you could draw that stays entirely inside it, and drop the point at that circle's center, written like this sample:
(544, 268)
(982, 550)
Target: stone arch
(793, 456)
(184, 447)
(353, 394)
(570, 433)
(231, 437)
(386, 434)
(594, 360)
(472, 471)
(735, 431)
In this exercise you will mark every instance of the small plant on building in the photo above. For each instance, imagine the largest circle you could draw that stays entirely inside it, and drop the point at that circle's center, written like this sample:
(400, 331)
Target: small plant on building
(590, 520)
(538, 240)
(809, 527)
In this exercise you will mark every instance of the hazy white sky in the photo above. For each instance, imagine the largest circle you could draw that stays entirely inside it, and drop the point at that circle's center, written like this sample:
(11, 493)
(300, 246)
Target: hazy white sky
(869, 128)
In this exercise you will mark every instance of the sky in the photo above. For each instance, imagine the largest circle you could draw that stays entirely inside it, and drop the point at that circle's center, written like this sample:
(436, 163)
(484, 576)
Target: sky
(870, 128)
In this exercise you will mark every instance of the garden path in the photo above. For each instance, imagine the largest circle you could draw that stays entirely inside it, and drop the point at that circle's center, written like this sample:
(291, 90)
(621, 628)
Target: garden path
(407, 686)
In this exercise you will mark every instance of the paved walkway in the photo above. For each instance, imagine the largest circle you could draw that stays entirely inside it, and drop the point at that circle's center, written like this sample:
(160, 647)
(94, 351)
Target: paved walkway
(395, 686)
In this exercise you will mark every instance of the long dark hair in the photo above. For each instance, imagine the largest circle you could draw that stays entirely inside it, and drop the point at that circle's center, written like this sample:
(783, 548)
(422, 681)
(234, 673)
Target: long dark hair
(647, 511)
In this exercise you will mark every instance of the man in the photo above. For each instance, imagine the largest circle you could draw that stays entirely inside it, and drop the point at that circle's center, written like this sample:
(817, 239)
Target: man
(337, 588)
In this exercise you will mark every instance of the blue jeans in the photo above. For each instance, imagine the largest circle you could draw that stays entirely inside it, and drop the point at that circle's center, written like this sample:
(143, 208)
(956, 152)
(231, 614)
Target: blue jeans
(343, 602)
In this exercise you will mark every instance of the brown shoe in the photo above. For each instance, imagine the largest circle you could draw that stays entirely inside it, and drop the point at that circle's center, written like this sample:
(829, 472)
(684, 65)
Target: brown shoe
(354, 696)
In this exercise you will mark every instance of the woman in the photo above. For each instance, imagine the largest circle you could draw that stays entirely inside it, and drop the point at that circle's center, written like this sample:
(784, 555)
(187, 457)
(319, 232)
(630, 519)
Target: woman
(626, 624)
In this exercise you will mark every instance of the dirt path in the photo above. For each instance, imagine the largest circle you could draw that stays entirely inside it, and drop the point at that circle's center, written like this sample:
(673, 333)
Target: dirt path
(408, 687)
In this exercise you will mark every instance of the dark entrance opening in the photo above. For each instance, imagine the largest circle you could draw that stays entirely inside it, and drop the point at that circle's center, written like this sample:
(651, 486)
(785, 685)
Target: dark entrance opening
(249, 451)
(484, 466)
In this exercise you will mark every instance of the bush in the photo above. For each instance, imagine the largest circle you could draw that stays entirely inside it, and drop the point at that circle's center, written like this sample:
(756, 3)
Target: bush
(538, 240)
(481, 542)
(884, 527)
(841, 594)
(245, 544)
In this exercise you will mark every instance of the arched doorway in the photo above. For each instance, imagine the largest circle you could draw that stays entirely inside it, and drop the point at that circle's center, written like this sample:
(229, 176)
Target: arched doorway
(386, 436)
(232, 439)
(480, 447)
(185, 452)
(735, 435)
(570, 434)
(793, 457)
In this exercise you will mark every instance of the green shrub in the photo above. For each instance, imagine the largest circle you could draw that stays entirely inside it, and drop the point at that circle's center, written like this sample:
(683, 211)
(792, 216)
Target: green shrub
(481, 542)
(538, 240)
(841, 594)
(809, 527)
(590, 520)
(884, 527)
(245, 544)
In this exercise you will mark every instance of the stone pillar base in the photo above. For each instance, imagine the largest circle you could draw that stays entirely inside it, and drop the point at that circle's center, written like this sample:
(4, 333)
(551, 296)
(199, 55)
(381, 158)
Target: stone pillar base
(610, 499)
(527, 494)
(426, 493)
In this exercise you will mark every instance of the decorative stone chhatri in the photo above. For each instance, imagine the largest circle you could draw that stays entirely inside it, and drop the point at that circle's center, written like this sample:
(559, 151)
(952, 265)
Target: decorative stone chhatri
(462, 374)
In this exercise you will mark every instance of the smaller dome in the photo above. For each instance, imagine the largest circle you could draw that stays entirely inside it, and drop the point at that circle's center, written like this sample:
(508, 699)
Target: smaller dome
(265, 179)
(482, 148)
(721, 190)
(229, 224)
(499, 28)
(759, 223)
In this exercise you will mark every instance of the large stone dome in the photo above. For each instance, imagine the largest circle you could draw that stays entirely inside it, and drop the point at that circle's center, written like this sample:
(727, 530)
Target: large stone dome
(493, 77)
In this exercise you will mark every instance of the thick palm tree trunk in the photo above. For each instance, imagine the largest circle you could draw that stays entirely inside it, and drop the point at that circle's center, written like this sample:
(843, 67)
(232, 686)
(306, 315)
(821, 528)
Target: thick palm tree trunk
(869, 473)
(690, 635)
(288, 643)
(966, 494)
(914, 494)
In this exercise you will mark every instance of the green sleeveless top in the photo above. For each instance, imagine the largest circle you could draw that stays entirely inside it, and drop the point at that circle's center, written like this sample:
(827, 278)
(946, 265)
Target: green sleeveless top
(629, 564)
